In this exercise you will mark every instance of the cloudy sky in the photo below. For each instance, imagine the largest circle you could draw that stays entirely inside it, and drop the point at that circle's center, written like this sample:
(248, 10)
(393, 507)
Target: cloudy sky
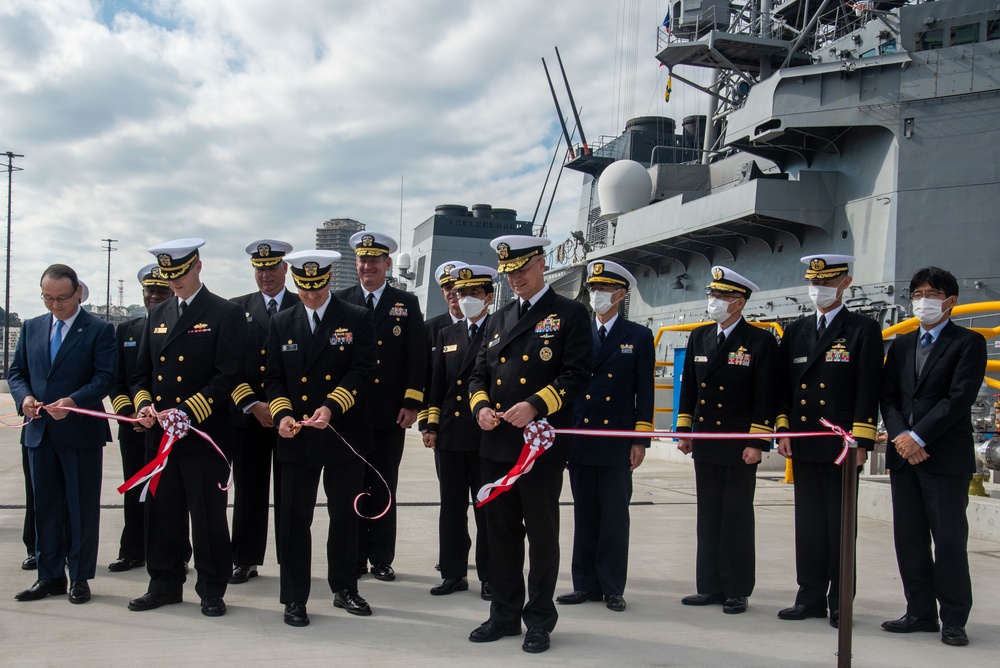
(232, 120)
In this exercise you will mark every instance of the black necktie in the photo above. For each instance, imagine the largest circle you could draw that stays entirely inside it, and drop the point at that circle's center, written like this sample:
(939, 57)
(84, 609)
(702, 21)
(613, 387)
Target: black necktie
(181, 307)
(821, 330)
(602, 333)
(370, 301)
(523, 308)
(473, 328)
(315, 322)
(272, 306)
(721, 340)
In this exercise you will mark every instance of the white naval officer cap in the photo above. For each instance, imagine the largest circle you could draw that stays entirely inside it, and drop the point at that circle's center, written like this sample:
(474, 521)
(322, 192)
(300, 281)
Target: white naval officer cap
(443, 272)
(373, 243)
(176, 257)
(312, 269)
(825, 265)
(609, 273)
(516, 250)
(150, 276)
(267, 252)
(470, 275)
(725, 279)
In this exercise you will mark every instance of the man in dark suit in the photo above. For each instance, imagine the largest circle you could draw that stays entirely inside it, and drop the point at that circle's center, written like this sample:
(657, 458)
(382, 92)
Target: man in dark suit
(831, 366)
(534, 362)
(728, 385)
(400, 374)
(189, 361)
(620, 396)
(454, 435)
(435, 325)
(63, 360)
(132, 436)
(931, 379)
(320, 360)
(255, 431)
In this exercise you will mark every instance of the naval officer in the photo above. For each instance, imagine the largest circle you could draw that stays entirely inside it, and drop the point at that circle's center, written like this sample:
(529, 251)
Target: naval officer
(400, 374)
(831, 366)
(535, 361)
(320, 360)
(454, 434)
(190, 358)
(255, 431)
(437, 323)
(728, 385)
(620, 396)
(132, 436)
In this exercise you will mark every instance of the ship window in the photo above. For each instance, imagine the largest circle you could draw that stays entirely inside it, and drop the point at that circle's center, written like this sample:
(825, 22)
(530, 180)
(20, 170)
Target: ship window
(967, 34)
(993, 29)
(930, 39)
(419, 279)
(887, 47)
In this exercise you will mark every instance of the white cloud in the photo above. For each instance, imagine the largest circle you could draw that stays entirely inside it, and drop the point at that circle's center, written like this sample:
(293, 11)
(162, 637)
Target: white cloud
(236, 119)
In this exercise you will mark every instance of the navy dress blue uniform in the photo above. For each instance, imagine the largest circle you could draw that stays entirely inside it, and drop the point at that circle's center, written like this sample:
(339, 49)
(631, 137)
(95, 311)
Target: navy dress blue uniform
(191, 362)
(332, 367)
(256, 454)
(836, 377)
(543, 358)
(65, 456)
(457, 449)
(620, 396)
(400, 374)
(731, 389)
(929, 499)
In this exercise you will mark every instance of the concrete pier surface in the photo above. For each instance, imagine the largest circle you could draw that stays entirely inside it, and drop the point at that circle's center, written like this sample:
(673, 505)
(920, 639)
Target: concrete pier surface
(410, 627)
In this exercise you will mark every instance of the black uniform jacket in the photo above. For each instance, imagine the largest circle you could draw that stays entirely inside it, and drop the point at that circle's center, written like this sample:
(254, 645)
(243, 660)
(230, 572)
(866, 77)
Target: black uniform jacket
(938, 405)
(837, 378)
(620, 395)
(449, 414)
(729, 390)
(544, 358)
(128, 335)
(401, 366)
(433, 327)
(331, 368)
(255, 353)
(191, 363)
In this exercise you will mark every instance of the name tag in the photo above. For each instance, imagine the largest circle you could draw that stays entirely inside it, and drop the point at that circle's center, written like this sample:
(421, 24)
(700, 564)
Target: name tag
(450, 349)
(160, 330)
(130, 344)
(493, 343)
(700, 358)
(289, 347)
(799, 360)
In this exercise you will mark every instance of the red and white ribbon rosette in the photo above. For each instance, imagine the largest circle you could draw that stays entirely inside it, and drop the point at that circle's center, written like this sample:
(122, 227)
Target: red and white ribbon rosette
(538, 437)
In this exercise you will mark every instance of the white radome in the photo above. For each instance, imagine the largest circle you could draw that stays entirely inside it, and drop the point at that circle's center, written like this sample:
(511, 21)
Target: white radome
(624, 186)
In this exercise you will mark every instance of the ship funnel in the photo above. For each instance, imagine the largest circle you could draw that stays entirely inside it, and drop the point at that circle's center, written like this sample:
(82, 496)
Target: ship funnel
(624, 186)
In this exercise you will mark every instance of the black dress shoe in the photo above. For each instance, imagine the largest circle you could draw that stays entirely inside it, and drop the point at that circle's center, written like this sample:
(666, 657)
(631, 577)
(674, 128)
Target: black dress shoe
(79, 591)
(242, 573)
(953, 634)
(295, 614)
(911, 624)
(213, 606)
(29, 563)
(575, 597)
(351, 602)
(490, 630)
(616, 602)
(42, 588)
(486, 592)
(703, 599)
(734, 605)
(536, 640)
(799, 611)
(449, 585)
(152, 600)
(122, 564)
(835, 619)
(384, 572)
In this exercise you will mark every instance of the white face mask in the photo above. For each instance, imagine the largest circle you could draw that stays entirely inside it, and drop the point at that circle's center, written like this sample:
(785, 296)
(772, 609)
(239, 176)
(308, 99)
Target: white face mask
(601, 302)
(471, 307)
(928, 311)
(823, 296)
(718, 309)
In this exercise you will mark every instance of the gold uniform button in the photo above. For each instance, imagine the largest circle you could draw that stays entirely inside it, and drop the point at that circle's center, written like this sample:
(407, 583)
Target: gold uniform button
(305, 398)
(503, 360)
(721, 388)
(605, 422)
(457, 414)
(588, 396)
(701, 419)
(211, 401)
(822, 402)
(180, 358)
(263, 351)
(328, 376)
(803, 386)
(159, 378)
(803, 402)
(178, 400)
(162, 358)
(702, 402)
(179, 379)
(803, 418)
(523, 381)
(376, 381)
(703, 385)
(607, 398)
(380, 343)
(498, 405)
(262, 385)
(305, 417)
(718, 405)
(458, 382)
(586, 420)
(159, 398)
(610, 375)
(525, 358)
(822, 386)
(376, 361)
(498, 381)
(303, 379)
(718, 424)
(263, 369)
(458, 398)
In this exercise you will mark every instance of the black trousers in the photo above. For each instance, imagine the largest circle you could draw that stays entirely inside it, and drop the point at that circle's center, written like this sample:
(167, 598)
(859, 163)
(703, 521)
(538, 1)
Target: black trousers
(928, 506)
(133, 450)
(528, 509)
(460, 480)
(255, 454)
(818, 498)
(188, 495)
(726, 561)
(377, 538)
(601, 495)
(342, 482)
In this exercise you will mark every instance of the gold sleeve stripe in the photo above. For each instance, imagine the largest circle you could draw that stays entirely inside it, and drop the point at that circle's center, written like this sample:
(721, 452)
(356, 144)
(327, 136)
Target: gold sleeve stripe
(278, 405)
(551, 398)
(120, 403)
(142, 396)
(760, 428)
(433, 415)
(643, 426)
(861, 430)
(343, 398)
(684, 420)
(416, 395)
(477, 397)
(422, 415)
(241, 392)
(201, 408)
(782, 422)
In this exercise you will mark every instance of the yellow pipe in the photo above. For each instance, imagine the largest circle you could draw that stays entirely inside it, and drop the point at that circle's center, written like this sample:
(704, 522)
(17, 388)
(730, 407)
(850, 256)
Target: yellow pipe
(911, 324)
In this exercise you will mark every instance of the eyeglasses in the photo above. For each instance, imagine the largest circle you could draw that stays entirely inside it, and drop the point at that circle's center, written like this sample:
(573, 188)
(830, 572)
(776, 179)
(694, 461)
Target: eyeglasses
(928, 294)
(49, 300)
(724, 296)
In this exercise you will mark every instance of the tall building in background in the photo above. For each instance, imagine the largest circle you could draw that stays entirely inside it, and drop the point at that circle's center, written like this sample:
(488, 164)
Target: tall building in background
(335, 234)
(456, 233)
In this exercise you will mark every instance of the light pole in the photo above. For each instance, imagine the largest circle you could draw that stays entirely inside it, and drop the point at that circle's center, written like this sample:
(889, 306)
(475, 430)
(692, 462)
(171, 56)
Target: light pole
(109, 249)
(6, 299)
